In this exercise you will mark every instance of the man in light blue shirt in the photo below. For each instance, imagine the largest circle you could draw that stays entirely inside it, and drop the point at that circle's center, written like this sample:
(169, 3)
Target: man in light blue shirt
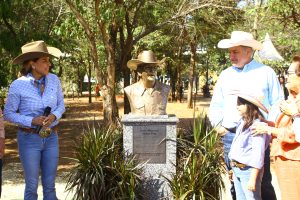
(244, 74)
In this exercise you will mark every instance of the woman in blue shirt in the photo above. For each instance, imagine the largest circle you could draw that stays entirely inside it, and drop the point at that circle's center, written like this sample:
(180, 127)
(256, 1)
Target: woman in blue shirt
(247, 151)
(26, 104)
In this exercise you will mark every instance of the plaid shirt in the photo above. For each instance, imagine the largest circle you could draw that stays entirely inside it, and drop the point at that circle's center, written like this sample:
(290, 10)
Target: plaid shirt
(25, 100)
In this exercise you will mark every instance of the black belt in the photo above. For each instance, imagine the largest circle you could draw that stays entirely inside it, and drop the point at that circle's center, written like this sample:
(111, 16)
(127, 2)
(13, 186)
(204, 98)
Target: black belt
(232, 130)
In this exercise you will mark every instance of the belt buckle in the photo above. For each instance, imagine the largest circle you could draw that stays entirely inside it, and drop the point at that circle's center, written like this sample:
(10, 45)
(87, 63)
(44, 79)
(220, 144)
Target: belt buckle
(45, 132)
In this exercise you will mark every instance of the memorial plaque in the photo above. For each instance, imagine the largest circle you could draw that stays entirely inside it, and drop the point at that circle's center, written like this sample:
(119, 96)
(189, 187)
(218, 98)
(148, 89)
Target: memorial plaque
(149, 143)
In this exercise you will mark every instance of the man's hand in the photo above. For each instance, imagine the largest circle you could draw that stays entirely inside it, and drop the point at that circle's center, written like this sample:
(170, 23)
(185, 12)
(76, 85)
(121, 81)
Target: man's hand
(221, 131)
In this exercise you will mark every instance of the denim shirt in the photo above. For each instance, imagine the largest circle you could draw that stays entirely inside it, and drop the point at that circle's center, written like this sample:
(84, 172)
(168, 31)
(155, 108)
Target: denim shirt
(254, 77)
(249, 149)
(25, 101)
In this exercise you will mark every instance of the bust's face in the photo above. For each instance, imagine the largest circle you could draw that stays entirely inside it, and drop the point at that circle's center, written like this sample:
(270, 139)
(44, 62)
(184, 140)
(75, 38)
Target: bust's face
(147, 73)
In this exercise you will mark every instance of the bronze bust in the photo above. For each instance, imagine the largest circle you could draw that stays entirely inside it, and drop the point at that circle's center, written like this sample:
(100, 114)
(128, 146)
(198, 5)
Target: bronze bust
(147, 96)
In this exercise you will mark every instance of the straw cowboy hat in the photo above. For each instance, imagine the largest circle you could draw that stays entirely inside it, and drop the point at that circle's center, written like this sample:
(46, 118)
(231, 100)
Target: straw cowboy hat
(146, 57)
(254, 100)
(36, 49)
(240, 38)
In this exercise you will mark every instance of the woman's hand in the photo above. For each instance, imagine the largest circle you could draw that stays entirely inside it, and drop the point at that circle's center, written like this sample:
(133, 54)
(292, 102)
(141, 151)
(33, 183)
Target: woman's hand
(288, 108)
(38, 120)
(43, 120)
(48, 120)
(259, 128)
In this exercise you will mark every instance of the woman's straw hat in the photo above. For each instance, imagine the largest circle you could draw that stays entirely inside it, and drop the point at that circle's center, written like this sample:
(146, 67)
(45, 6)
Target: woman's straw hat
(34, 50)
(146, 57)
(240, 38)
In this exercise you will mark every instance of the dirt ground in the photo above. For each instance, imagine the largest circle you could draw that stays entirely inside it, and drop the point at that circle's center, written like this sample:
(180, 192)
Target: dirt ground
(79, 115)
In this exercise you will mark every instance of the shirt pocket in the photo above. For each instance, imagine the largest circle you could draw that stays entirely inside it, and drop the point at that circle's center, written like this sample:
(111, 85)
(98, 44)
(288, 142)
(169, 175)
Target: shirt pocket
(51, 97)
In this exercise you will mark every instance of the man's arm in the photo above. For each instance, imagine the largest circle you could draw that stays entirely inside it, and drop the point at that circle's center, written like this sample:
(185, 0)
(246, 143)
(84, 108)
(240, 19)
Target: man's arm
(215, 112)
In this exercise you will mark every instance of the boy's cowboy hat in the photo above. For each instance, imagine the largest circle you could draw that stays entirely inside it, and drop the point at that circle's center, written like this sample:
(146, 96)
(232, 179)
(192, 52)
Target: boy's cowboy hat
(253, 99)
(146, 57)
(240, 38)
(34, 50)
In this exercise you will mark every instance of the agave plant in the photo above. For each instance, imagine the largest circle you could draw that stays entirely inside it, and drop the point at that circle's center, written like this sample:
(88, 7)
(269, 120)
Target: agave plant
(199, 164)
(101, 171)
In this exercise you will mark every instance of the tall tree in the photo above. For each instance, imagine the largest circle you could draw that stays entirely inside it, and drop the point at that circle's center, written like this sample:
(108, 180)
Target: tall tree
(128, 22)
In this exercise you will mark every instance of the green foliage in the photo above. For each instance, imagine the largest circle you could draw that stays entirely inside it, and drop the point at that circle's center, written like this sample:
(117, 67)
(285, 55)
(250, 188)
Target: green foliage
(101, 171)
(199, 164)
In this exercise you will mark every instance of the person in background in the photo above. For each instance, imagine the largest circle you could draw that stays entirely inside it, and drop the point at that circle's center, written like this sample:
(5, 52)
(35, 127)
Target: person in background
(35, 104)
(97, 91)
(247, 73)
(2, 147)
(285, 145)
(247, 151)
(283, 88)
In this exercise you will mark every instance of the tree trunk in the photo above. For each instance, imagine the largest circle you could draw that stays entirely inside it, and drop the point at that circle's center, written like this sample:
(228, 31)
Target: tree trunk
(191, 74)
(179, 86)
(89, 81)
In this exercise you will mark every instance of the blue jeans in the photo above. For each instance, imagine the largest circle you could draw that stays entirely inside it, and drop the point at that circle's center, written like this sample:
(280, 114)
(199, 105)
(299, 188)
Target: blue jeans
(37, 154)
(268, 192)
(241, 178)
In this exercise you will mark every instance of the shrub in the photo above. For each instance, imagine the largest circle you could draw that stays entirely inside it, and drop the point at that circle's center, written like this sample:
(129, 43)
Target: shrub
(199, 163)
(101, 171)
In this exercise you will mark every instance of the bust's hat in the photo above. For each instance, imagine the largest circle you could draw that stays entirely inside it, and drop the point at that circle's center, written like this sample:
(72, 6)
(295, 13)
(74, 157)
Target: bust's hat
(145, 57)
(36, 49)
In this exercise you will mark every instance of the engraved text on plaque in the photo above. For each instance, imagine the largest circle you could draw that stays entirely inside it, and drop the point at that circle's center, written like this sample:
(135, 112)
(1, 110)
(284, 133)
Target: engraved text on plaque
(149, 143)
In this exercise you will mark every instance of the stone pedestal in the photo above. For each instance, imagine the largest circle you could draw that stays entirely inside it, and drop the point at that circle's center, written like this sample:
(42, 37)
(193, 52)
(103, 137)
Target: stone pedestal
(152, 139)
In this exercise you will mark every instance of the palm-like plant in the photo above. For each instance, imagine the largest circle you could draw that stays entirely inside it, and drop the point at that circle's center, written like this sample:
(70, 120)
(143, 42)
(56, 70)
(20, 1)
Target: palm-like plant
(101, 171)
(199, 163)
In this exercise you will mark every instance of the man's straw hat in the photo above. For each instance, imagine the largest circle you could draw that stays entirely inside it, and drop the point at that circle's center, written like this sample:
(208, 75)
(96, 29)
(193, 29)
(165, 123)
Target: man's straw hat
(145, 57)
(36, 49)
(240, 38)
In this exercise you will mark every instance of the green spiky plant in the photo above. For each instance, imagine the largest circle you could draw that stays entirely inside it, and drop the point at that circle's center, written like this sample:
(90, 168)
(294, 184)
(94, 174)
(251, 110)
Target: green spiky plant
(199, 163)
(101, 171)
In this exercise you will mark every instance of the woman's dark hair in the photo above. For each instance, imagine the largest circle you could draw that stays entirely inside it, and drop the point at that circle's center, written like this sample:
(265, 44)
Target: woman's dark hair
(252, 113)
(26, 68)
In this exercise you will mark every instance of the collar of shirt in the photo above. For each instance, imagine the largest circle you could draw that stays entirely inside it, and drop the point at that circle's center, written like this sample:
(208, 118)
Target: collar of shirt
(33, 81)
(245, 68)
(140, 89)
